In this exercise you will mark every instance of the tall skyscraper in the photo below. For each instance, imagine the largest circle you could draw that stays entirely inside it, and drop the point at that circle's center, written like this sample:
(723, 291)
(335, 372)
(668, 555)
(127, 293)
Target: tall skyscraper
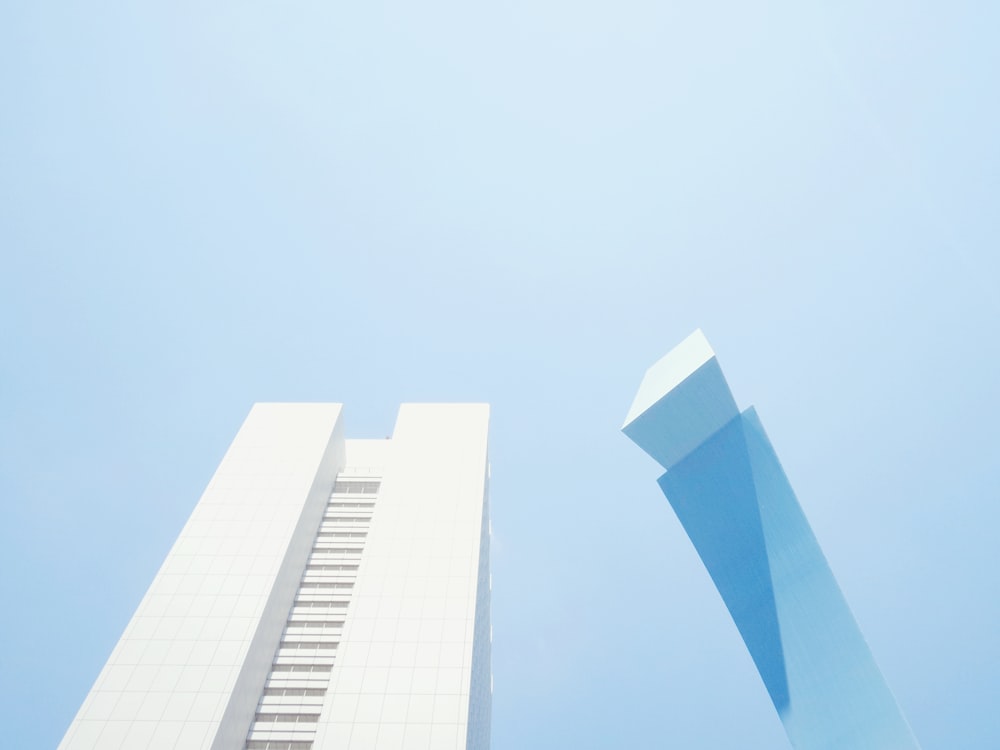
(730, 493)
(325, 593)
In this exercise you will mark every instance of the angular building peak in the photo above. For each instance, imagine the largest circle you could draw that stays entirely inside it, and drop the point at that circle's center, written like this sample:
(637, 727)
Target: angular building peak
(682, 400)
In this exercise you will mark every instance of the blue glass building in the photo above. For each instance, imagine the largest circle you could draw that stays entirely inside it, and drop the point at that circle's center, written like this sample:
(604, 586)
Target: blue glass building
(724, 481)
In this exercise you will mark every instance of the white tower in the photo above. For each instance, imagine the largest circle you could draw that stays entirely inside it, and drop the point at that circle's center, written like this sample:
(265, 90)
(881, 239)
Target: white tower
(324, 593)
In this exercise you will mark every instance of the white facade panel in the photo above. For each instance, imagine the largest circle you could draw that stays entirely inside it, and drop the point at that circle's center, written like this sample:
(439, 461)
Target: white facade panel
(188, 667)
(403, 671)
(324, 594)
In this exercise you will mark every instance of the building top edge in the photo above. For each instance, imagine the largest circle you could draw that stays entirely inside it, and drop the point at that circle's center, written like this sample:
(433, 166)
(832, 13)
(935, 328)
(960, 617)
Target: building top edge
(670, 371)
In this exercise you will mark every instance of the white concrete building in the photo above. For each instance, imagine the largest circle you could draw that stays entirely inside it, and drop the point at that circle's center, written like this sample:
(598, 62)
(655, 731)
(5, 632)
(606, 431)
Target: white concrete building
(325, 593)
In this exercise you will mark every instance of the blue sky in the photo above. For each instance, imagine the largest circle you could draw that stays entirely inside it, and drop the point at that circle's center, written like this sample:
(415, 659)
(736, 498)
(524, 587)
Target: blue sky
(203, 206)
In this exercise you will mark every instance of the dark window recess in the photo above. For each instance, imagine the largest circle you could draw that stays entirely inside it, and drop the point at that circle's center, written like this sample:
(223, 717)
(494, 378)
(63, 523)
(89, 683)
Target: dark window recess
(287, 718)
(307, 646)
(356, 488)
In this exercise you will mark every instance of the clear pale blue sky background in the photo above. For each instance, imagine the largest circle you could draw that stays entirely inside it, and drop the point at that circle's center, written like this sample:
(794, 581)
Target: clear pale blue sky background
(204, 205)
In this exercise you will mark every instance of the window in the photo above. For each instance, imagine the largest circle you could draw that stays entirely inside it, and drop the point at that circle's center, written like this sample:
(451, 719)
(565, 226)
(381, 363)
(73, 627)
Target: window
(307, 646)
(347, 519)
(295, 692)
(356, 487)
(301, 668)
(323, 585)
(287, 718)
(337, 550)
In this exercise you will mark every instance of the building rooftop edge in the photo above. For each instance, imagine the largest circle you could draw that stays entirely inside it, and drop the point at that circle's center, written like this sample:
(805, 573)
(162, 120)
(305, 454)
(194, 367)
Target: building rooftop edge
(670, 371)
